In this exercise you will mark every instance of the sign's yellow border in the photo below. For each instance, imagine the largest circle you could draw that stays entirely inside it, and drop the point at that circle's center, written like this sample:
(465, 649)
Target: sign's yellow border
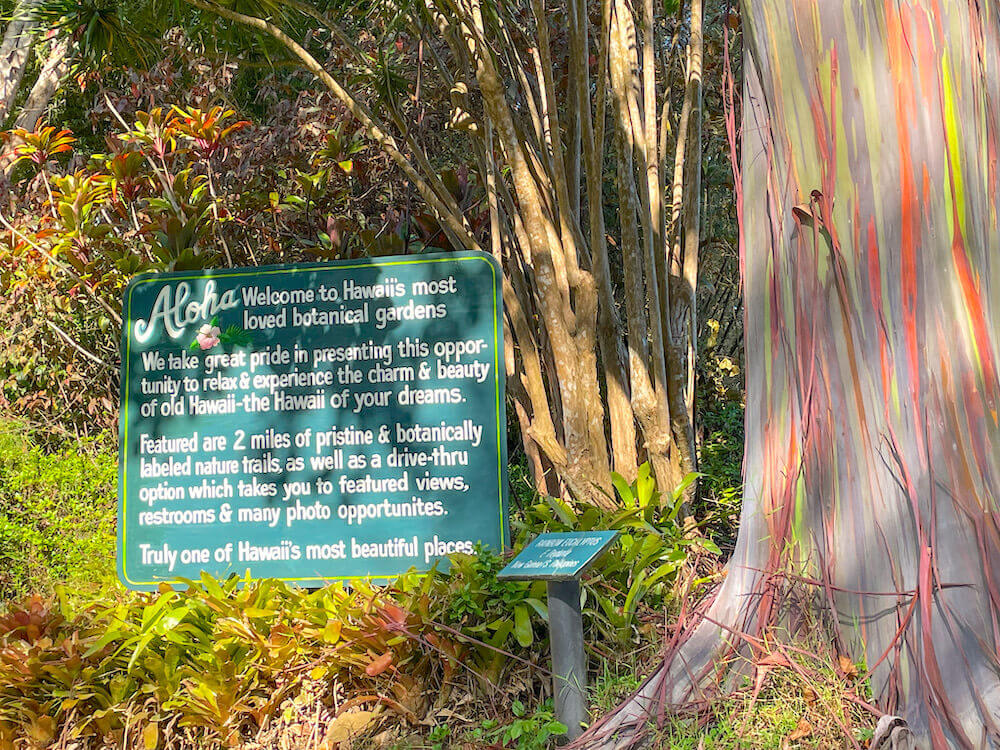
(483, 257)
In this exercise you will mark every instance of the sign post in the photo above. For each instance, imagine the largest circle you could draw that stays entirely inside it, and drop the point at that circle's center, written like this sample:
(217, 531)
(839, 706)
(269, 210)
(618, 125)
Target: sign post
(311, 423)
(560, 560)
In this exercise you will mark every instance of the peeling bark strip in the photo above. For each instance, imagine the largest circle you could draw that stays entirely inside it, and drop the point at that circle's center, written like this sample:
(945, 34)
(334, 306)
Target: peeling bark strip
(872, 320)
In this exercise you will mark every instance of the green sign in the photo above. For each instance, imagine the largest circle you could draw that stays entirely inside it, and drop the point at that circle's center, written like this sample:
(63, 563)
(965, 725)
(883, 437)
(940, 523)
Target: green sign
(558, 557)
(311, 422)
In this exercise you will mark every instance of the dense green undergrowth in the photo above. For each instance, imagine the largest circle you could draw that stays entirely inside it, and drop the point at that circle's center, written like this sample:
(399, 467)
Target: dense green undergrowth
(57, 521)
(720, 459)
(230, 663)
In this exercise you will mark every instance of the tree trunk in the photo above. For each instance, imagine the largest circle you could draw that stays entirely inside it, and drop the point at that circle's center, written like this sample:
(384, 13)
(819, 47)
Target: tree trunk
(15, 50)
(45, 86)
(871, 135)
(583, 404)
(692, 198)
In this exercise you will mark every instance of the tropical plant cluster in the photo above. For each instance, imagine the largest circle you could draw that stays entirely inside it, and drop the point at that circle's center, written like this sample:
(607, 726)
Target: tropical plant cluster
(155, 175)
(232, 663)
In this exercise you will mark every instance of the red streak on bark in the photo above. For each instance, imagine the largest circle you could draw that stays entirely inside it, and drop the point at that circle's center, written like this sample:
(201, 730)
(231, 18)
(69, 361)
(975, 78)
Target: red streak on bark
(909, 233)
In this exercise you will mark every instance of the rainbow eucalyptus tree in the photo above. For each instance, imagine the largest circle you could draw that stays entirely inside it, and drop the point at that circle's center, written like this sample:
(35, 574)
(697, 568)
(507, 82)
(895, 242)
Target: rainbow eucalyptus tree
(870, 227)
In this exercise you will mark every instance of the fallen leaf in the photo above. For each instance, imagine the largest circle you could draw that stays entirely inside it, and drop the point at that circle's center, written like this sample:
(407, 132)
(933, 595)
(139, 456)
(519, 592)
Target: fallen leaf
(803, 730)
(809, 695)
(347, 726)
(848, 667)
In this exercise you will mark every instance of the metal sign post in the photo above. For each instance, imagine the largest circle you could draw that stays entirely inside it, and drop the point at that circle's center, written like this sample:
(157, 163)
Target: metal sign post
(560, 559)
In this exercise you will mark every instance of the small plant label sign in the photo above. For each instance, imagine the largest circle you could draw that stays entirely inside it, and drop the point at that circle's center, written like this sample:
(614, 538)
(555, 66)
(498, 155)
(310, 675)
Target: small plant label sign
(558, 556)
(311, 422)
(560, 559)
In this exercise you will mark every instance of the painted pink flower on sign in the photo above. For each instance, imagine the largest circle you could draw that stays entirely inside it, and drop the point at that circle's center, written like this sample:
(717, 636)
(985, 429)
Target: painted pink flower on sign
(211, 334)
(208, 336)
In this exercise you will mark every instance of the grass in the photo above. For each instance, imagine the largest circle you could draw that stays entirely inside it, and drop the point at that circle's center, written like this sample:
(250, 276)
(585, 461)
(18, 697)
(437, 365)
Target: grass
(614, 682)
(814, 703)
(57, 514)
(791, 712)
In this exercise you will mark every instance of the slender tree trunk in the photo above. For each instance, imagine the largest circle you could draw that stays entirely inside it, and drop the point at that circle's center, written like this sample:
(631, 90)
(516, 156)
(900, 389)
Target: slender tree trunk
(692, 198)
(15, 51)
(55, 69)
(872, 318)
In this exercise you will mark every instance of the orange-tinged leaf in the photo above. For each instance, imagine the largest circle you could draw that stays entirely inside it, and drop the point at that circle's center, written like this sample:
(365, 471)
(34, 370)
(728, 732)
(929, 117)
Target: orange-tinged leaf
(848, 667)
(774, 660)
(380, 664)
(42, 730)
(803, 730)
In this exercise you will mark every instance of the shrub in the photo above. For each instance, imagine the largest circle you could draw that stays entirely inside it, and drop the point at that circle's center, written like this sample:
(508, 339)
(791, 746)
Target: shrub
(654, 545)
(216, 664)
(226, 661)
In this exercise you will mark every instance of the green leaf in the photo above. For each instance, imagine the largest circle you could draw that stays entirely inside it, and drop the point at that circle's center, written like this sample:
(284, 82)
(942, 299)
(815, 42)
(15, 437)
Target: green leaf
(563, 510)
(539, 606)
(258, 612)
(235, 336)
(623, 488)
(685, 483)
(635, 591)
(171, 619)
(522, 626)
(645, 486)
(662, 572)
(212, 586)
(709, 546)
(146, 640)
(500, 637)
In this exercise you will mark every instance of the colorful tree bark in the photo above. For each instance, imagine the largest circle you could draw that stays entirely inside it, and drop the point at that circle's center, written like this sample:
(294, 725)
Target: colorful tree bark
(872, 284)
